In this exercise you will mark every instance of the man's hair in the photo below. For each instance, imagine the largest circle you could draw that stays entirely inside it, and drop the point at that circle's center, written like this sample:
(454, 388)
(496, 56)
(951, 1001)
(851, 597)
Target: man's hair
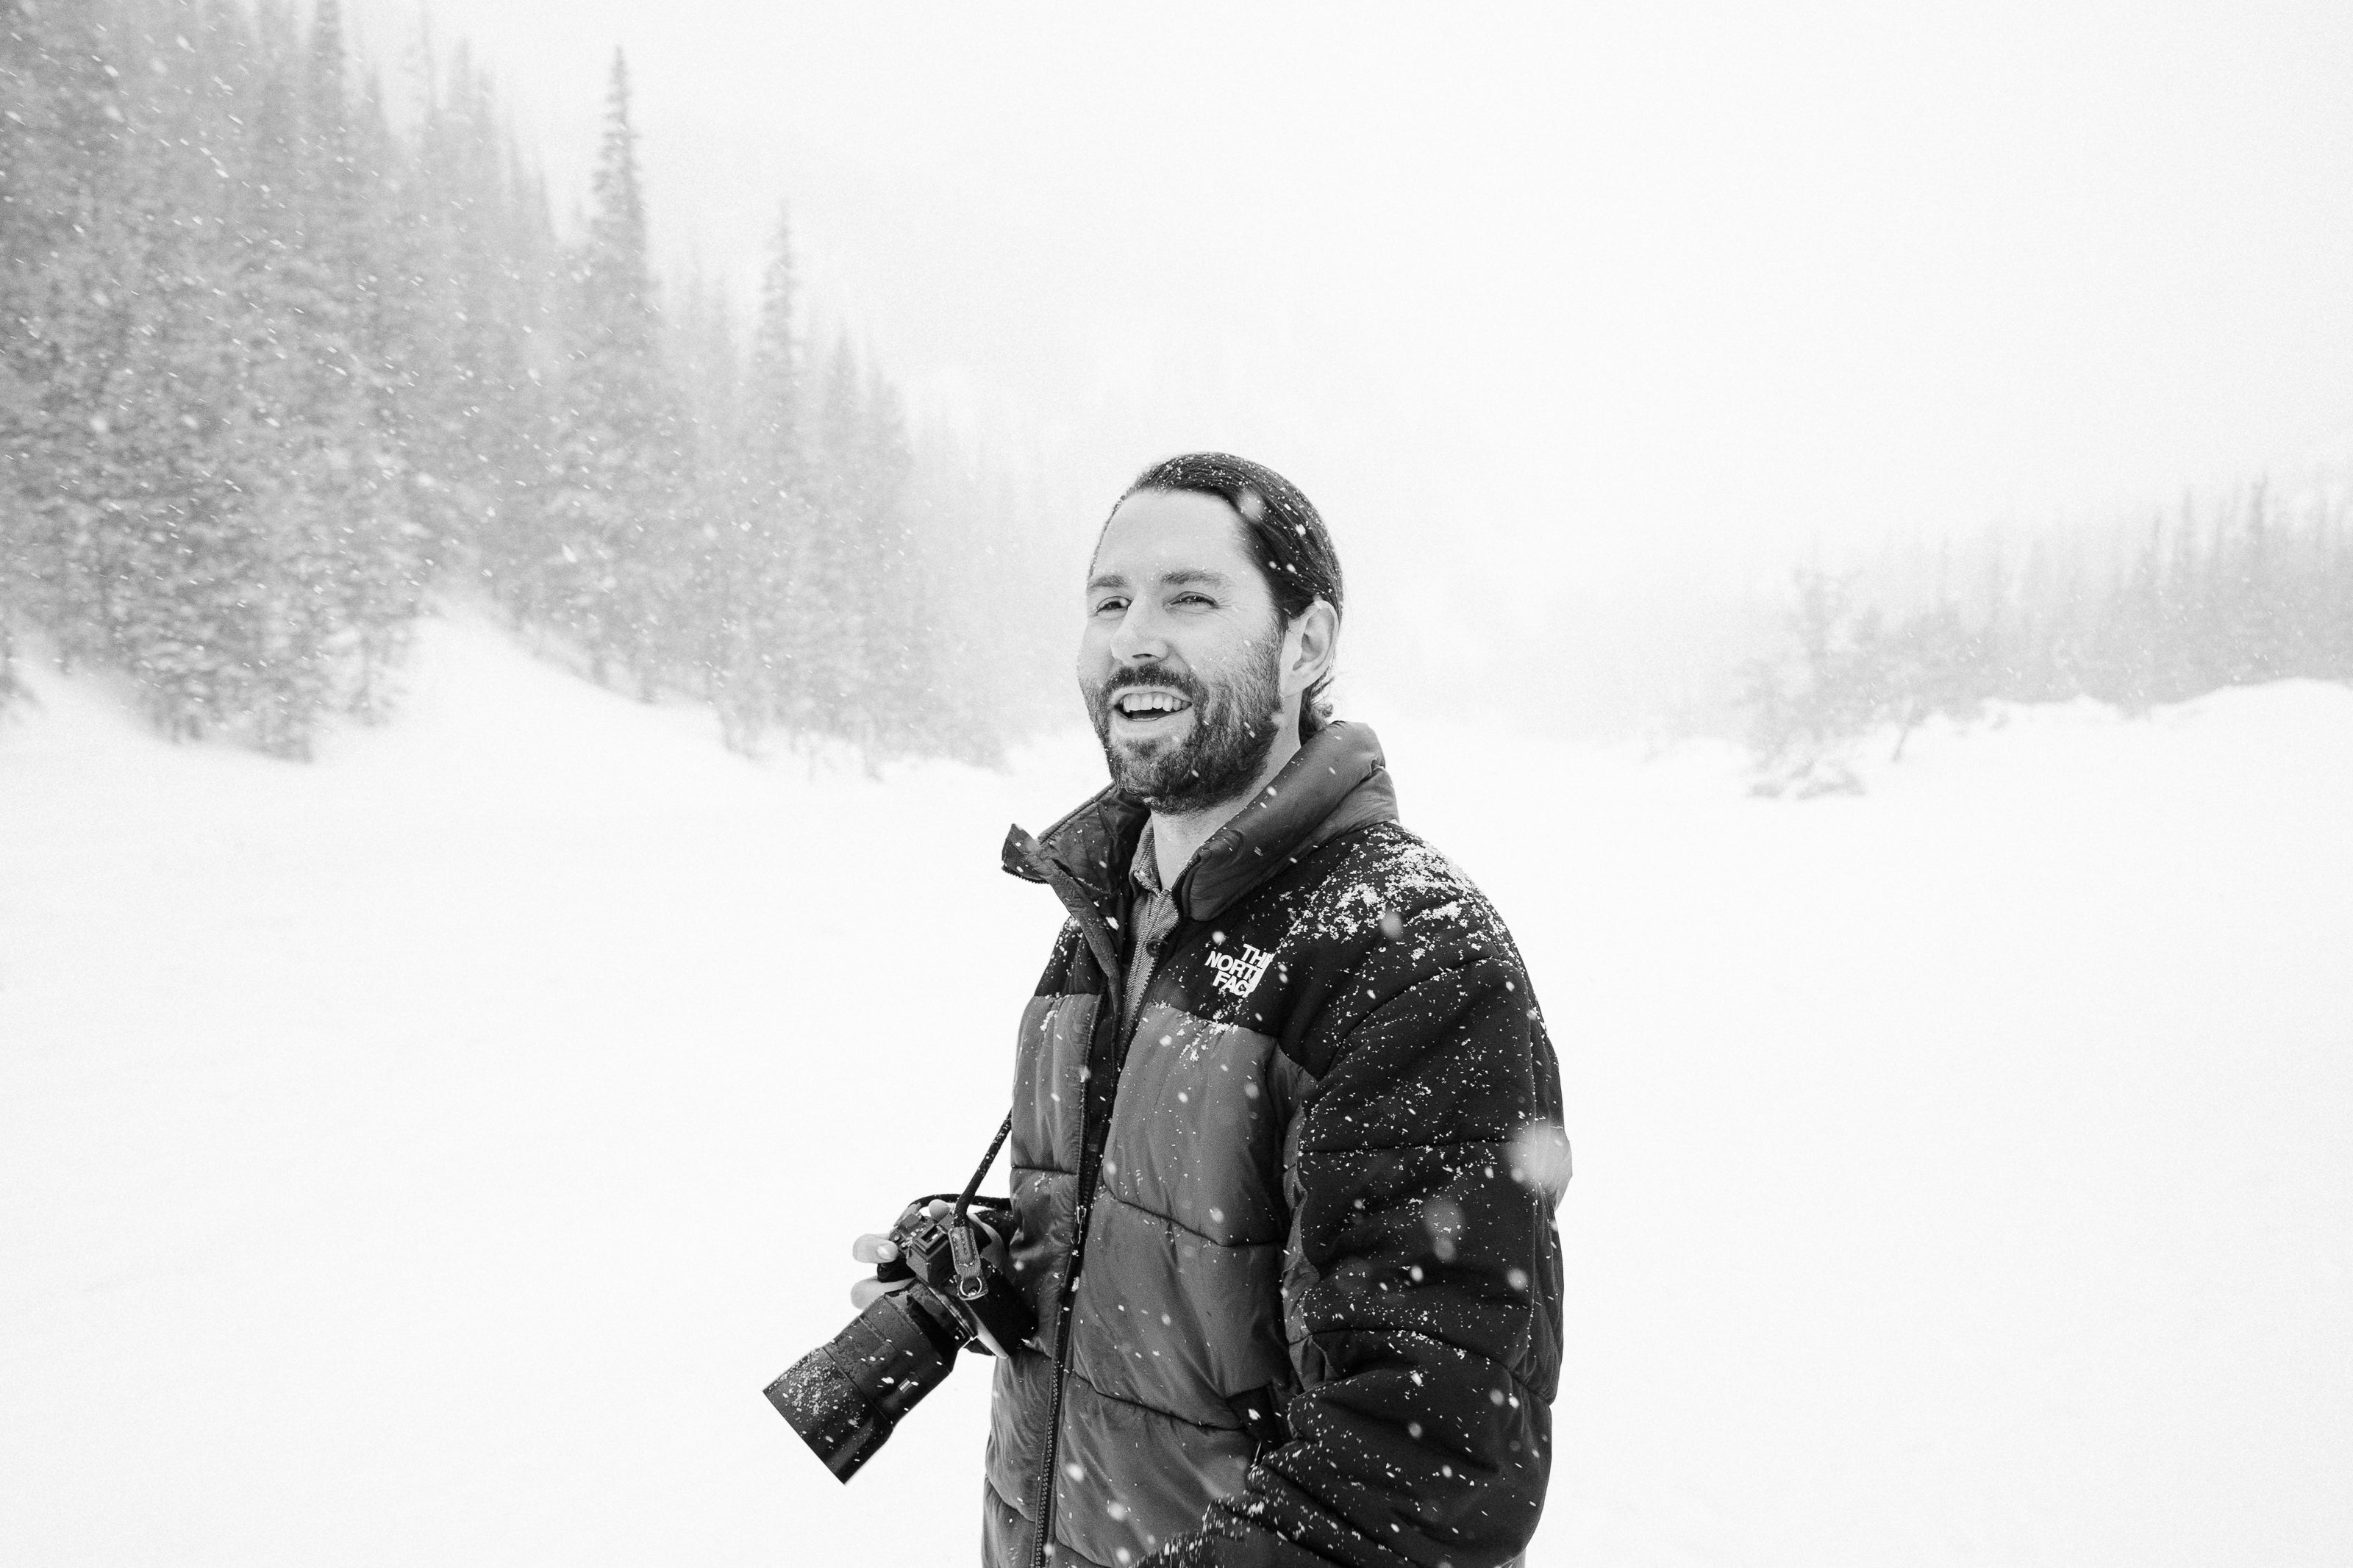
(1288, 541)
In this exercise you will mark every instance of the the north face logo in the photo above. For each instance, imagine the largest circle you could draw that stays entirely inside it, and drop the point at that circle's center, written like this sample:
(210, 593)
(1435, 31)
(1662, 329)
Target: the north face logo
(1239, 973)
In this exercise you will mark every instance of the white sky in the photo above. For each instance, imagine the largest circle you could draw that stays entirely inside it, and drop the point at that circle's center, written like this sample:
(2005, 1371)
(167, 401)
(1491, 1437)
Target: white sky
(1541, 306)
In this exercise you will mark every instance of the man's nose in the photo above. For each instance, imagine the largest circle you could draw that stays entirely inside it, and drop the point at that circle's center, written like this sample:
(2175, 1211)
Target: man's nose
(1139, 639)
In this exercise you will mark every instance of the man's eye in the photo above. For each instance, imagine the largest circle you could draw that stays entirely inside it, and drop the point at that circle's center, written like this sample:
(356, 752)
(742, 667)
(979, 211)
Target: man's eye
(1109, 604)
(1195, 599)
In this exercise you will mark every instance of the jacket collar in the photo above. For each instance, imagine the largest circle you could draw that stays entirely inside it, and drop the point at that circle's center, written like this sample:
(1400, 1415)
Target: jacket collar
(1337, 781)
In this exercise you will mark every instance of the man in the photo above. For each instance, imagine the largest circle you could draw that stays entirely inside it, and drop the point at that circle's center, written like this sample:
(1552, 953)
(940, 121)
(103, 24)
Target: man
(1286, 1121)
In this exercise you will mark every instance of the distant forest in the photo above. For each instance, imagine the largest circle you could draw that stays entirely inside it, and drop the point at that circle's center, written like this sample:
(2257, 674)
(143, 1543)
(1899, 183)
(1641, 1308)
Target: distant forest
(279, 359)
(2245, 590)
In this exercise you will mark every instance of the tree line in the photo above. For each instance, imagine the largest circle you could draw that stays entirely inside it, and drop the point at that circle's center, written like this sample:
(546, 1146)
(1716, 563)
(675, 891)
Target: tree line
(2249, 590)
(282, 359)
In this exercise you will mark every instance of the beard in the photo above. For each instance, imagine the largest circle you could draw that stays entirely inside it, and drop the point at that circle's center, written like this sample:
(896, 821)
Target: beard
(1234, 729)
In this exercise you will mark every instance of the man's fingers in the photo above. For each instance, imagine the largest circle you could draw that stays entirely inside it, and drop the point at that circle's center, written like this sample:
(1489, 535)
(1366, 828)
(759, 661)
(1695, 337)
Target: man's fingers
(877, 1249)
(866, 1292)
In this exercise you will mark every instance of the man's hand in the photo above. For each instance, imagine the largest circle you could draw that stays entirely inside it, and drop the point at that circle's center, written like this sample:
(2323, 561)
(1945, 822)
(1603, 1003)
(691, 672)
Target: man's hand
(877, 1249)
(874, 1250)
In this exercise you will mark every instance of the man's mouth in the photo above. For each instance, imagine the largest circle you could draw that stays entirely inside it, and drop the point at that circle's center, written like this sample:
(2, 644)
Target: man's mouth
(1149, 706)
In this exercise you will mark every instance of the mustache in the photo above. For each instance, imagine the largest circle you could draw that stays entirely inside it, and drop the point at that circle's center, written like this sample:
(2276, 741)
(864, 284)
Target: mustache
(1191, 690)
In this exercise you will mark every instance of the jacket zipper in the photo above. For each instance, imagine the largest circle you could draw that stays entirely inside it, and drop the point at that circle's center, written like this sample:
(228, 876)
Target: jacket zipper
(1090, 1167)
(1090, 1160)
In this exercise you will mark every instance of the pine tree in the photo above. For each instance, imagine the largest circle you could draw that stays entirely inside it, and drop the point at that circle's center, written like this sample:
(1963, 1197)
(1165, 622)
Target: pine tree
(773, 415)
(62, 305)
(838, 570)
(290, 456)
(474, 254)
(896, 613)
(711, 614)
(270, 366)
(381, 555)
(782, 654)
(614, 501)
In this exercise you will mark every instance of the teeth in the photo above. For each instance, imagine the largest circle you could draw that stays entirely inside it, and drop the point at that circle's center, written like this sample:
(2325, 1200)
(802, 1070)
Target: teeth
(1133, 702)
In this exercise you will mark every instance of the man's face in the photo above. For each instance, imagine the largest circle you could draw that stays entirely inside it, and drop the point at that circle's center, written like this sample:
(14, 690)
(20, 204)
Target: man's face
(1180, 662)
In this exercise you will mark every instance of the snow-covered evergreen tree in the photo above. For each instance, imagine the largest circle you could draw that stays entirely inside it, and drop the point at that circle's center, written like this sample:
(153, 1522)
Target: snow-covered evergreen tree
(838, 570)
(270, 367)
(780, 657)
(613, 509)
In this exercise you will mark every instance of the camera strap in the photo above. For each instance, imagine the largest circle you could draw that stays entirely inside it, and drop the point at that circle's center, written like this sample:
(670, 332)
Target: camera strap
(963, 1201)
(963, 1253)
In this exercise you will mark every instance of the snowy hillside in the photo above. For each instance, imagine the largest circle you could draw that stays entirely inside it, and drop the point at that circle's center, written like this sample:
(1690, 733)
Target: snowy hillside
(425, 1155)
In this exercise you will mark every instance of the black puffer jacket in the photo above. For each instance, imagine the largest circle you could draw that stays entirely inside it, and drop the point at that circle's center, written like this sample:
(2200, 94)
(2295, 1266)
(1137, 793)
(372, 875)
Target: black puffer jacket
(1290, 1235)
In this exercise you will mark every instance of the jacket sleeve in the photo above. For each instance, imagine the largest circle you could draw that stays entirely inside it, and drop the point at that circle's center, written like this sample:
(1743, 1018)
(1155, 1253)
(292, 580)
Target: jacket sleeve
(1422, 1283)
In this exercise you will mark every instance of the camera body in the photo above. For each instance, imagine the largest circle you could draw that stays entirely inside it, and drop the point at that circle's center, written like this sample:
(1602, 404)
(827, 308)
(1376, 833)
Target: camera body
(846, 1397)
(966, 1262)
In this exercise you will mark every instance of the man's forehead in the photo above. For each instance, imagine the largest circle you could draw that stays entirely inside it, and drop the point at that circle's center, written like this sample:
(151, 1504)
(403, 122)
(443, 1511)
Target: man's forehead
(1169, 535)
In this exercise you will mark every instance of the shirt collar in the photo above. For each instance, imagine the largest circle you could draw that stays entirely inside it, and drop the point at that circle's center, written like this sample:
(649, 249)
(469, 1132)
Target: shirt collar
(1144, 869)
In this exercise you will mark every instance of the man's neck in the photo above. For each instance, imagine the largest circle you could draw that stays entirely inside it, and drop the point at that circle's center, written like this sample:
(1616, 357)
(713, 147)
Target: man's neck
(1178, 836)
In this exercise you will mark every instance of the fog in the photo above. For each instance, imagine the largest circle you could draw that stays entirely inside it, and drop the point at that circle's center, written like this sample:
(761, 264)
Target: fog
(1848, 526)
(1571, 320)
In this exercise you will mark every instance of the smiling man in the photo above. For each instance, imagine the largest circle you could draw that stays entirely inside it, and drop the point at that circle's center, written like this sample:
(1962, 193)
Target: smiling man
(1286, 1124)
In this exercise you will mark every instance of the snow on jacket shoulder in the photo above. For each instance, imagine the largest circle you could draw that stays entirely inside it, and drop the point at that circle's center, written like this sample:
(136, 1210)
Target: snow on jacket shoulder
(1288, 1233)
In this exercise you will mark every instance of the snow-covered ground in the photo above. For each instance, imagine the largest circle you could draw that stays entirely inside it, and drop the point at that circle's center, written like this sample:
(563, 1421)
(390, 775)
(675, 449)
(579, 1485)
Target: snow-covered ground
(425, 1155)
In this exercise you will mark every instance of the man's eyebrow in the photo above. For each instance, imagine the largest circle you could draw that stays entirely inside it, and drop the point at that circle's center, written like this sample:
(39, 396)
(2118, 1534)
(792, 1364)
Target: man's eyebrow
(1182, 577)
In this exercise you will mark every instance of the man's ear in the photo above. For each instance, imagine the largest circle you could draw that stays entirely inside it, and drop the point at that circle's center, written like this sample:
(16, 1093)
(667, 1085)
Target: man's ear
(1310, 647)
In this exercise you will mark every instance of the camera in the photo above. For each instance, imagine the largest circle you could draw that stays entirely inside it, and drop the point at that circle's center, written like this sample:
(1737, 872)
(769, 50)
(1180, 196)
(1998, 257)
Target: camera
(845, 1397)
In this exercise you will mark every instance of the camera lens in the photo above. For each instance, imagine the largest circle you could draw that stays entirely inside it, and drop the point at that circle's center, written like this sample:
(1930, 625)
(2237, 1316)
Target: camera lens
(844, 1397)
